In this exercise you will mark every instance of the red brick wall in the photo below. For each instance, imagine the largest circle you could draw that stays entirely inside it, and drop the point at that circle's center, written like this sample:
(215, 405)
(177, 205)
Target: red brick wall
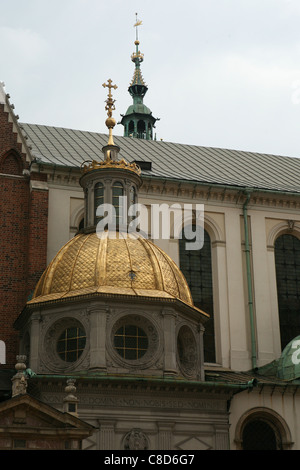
(23, 235)
(14, 210)
(11, 164)
(37, 237)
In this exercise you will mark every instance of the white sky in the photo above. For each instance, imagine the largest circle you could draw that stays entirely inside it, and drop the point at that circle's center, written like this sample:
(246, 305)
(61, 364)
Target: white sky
(221, 73)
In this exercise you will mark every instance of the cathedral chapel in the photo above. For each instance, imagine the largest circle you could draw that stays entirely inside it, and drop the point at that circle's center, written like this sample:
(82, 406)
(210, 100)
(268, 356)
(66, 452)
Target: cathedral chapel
(113, 339)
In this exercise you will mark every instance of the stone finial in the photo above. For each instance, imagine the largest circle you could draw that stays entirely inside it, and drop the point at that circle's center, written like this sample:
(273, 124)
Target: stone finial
(71, 401)
(19, 381)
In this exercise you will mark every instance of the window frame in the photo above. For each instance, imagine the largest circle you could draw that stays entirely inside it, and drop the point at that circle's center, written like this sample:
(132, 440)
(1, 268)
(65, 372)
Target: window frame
(207, 307)
(284, 306)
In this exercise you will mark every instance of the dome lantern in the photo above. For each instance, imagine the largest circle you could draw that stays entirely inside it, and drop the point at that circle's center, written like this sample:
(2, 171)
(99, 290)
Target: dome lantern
(110, 182)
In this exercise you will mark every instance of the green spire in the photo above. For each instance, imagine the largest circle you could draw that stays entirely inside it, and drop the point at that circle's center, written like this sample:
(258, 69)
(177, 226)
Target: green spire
(137, 58)
(138, 121)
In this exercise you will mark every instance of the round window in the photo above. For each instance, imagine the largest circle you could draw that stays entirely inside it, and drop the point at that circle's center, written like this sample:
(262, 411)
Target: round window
(131, 342)
(134, 341)
(71, 344)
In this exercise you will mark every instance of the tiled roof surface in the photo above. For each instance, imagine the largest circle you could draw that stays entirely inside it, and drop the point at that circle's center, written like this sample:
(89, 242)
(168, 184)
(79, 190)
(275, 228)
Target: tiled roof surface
(70, 148)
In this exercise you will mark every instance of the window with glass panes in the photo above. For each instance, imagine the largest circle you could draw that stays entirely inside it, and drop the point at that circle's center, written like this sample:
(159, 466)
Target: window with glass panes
(71, 344)
(131, 342)
(197, 269)
(132, 196)
(117, 193)
(98, 199)
(287, 262)
(132, 200)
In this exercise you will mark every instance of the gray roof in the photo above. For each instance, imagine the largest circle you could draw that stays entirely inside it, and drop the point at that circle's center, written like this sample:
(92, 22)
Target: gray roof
(68, 147)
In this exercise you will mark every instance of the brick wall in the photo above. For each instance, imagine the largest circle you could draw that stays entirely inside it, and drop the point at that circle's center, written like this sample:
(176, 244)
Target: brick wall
(37, 236)
(23, 234)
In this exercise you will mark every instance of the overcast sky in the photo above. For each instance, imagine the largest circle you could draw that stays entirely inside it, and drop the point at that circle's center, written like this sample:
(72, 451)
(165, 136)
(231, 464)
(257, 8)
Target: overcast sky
(220, 73)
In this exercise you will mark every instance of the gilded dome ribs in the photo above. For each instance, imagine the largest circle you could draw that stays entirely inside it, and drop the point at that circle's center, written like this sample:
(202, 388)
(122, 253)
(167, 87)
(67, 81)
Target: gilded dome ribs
(159, 281)
(100, 271)
(111, 265)
(72, 284)
(52, 269)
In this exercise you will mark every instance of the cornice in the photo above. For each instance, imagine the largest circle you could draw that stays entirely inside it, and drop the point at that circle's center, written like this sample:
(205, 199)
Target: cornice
(186, 191)
(205, 193)
(127, 383)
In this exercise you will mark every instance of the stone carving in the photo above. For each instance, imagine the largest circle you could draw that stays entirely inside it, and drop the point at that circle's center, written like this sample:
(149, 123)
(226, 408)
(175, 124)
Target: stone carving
(187, 351)
(136, 440)
(291, 224)
(99, 399)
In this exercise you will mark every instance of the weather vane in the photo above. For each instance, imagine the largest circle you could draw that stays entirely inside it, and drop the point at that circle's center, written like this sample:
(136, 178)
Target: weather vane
(137, 23)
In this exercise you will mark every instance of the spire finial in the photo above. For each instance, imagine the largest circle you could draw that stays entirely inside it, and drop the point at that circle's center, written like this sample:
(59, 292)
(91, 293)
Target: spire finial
(137, 57)
(110, 107)
(137, 23)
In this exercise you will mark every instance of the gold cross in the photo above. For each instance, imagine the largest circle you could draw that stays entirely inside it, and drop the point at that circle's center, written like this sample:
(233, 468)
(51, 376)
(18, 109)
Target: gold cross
(109, 102)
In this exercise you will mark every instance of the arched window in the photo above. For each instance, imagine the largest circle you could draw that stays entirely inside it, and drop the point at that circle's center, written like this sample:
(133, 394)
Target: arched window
(117, 193)
(131, 128)
(258, 434)
(287, 262)
(11, 164)
(81, 224)
(141, 129)
(132, 196)
(2, 353)
(262, 429)
(98, 199)
(197, 269)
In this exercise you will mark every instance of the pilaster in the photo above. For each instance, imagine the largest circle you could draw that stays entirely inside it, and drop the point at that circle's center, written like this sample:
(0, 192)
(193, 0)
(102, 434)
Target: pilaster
(106, 435)
(169, 317)
(34, 340)
(165, 435)
(98, 338)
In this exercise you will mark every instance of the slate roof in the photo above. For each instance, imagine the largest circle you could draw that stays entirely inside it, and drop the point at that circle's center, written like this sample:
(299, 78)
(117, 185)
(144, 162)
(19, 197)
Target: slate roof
(215, 166)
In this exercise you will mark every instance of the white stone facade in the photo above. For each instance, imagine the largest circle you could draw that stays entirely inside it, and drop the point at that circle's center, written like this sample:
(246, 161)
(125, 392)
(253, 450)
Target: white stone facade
(269, 215)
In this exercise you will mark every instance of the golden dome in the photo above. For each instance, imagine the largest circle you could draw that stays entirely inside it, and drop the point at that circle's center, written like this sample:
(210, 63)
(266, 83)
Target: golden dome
(121, 265)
